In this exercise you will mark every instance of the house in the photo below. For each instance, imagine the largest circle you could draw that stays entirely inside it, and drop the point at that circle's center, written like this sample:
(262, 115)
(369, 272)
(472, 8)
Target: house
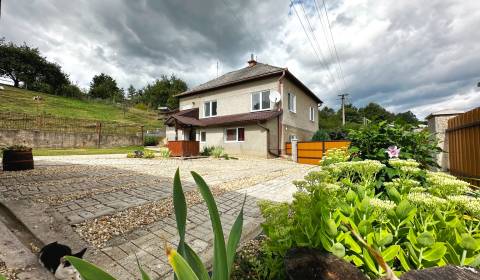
(238, 111)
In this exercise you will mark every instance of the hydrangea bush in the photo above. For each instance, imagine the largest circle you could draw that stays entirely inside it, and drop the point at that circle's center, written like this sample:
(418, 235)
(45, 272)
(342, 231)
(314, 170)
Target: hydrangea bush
(416, 219)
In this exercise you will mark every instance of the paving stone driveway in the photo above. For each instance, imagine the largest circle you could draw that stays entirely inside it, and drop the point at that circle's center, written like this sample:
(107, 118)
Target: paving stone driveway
(76, 190)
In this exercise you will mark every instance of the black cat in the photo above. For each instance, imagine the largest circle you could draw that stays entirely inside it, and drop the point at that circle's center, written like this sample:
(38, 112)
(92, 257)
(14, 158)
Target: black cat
(52, 258)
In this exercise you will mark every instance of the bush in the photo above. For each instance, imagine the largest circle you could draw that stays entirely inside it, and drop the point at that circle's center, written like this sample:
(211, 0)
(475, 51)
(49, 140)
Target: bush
(207, 151)
(321, 135)
(164, 152)
(151, 140)
(217, 152)
(148, 154)
(370, 142)
(415, 220)
(141, 154)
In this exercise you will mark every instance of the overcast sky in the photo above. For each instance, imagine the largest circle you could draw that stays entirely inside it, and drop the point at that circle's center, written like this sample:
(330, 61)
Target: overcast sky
(420, 55)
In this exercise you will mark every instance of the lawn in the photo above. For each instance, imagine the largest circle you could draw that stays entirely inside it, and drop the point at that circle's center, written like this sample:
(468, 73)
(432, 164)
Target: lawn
(20, 100)
(85, 151)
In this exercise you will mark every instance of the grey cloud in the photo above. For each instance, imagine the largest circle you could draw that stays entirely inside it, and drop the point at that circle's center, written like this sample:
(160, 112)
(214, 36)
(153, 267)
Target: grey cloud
(428, 52)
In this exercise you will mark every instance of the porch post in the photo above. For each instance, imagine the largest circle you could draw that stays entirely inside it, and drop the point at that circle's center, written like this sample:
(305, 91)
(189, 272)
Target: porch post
(176, 131)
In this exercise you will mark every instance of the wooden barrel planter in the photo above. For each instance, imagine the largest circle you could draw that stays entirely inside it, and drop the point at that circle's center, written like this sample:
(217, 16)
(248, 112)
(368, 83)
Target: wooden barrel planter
(17, 160)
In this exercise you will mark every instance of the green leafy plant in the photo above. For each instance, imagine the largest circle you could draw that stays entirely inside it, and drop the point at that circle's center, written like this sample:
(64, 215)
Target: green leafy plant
(165, 152)
(371, 141)
(217, 152)
(416, 219)
(17, 148)
(335, 155)
(184, 261)
(224, 252)
(148, 154)
(207, 151)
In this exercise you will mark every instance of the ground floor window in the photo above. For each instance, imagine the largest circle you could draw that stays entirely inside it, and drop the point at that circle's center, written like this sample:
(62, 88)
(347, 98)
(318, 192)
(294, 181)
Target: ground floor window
(236, 134)
(203, 136)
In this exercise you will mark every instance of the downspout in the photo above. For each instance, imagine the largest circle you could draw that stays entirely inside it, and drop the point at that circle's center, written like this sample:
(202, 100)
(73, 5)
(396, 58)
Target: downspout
(279, 121)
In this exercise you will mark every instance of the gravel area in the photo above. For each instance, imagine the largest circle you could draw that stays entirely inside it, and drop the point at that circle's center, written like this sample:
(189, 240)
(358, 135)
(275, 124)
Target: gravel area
(123, 207)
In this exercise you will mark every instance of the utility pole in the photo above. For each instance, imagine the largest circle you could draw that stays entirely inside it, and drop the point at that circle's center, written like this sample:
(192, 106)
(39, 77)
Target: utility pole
(342, 96)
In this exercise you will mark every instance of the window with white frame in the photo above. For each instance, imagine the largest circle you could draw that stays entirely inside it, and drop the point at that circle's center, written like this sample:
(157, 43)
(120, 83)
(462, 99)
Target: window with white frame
(236, 134)
(203, 136)
(261, 100)
(292, 102)
(210, 108)
(312, 114)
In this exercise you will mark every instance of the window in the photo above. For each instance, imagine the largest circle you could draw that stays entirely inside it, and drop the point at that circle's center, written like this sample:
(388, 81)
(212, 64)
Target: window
(292, 102)
(210, 108)
(312, 114)
(235, 134)
(203, 136)
(261, 100)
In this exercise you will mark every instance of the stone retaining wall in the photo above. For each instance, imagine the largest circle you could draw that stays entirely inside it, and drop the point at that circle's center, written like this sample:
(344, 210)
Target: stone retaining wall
(53, 139)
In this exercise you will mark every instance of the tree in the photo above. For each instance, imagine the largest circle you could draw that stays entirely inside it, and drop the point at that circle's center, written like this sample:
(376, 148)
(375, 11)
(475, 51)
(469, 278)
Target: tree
(131, 93)
(25, 64)
(328, 119)
(163, 91)
(352, 114)
(105, 87)
(407, 118)
(376, 112)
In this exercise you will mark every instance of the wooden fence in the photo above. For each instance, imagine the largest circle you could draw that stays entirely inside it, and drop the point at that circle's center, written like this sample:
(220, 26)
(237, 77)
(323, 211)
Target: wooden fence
(313, 151)
(464, 146)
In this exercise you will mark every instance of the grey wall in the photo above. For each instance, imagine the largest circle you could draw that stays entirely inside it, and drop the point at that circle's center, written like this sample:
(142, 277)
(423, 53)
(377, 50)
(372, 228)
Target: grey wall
(52, 139)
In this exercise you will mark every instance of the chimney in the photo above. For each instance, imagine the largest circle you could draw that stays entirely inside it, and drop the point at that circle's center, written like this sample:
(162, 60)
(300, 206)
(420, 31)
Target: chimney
(252, 61)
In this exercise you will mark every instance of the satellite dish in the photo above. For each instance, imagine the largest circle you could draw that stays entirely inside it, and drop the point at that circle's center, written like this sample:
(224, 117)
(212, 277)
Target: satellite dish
(274, 96)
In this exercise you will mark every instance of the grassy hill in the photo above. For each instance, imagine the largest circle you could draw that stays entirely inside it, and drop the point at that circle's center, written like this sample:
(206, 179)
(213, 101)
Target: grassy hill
(20, 100)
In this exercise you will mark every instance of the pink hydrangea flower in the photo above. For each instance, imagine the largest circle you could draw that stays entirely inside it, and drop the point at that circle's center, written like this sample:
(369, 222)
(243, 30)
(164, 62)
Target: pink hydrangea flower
(393, 152)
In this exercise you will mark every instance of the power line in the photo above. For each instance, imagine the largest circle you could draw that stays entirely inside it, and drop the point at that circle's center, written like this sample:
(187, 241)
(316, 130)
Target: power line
(311, 43)
(330, 48)
(333, 41)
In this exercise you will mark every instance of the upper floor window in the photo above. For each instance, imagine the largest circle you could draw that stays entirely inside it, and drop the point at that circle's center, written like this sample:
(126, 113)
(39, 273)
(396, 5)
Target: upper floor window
(292, 102)
(261, 100)
(210, 108)
(312, 114)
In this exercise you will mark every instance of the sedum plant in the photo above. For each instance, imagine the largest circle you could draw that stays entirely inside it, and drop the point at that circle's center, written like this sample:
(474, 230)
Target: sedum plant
(184, 261)
(415, 220)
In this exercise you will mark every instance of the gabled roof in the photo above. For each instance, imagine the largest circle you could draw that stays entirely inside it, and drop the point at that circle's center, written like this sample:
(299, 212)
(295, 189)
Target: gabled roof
(190, 118)
(247, 74)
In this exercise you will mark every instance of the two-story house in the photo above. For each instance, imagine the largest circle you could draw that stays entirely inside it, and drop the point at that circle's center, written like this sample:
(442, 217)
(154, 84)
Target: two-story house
(239, 112)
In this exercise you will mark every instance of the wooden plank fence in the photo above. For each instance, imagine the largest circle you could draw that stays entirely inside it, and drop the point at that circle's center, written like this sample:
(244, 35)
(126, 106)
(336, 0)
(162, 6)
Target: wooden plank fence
(311, 152)
(464, 146)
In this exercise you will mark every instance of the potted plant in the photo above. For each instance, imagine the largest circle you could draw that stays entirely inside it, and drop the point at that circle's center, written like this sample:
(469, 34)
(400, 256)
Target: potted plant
(17, 157)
